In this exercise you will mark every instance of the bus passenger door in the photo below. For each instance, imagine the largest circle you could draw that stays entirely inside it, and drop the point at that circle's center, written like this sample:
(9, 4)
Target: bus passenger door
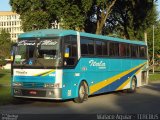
(69, 64)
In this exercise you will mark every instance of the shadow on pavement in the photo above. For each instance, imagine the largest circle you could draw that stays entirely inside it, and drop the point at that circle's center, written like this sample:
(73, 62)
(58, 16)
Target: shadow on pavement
(145, 100)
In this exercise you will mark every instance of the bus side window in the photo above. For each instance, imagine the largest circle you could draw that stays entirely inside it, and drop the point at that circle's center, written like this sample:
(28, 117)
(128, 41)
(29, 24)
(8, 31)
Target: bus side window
(105, 48)
(87, 46)
(98, 47)
(113, 49)
(70, 51)
(124, 50)
(134, 51)
(142, 52)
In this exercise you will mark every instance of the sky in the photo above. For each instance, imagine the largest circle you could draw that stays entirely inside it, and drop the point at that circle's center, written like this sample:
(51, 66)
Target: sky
(4, 6)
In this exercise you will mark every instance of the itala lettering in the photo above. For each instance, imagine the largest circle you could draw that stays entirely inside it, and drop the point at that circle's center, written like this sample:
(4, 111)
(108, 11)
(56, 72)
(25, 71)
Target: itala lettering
(97, 64)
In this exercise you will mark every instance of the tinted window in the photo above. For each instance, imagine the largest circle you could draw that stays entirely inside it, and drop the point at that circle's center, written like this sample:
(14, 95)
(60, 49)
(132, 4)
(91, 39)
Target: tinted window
(128, 50)
(101, 48)
(98, 48)
(134, 51)
(113, 49)
(105, 48)
(71, 44)
(70, 50)
(142, 51)
(87, 46)
(124, 50)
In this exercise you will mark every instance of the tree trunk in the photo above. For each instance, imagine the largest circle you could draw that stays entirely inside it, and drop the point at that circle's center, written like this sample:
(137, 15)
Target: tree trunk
(101, 22)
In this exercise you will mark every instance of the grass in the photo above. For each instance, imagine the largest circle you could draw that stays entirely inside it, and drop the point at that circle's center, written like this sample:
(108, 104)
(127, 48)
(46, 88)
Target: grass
(5, 95)
(5, 92)
(154, 77)
(5, 76)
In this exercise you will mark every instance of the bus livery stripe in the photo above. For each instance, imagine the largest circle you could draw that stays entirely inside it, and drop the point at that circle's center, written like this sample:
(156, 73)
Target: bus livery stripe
(123, 85)
(117, 80)
(45, 73)
(127, 81)
(114, 85)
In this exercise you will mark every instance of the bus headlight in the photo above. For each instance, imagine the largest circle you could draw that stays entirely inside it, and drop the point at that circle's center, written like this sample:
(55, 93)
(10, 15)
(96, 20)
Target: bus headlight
(17, 84)
(56, 85)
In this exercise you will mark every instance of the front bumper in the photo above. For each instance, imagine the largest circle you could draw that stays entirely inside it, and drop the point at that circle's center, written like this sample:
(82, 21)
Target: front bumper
(38, 93)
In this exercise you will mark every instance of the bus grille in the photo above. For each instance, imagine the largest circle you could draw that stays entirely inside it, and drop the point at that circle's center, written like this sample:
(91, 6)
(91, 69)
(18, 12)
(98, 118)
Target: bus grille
(33, 85)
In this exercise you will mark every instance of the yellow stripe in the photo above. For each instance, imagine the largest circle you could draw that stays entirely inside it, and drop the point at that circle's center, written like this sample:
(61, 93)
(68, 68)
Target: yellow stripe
(138, 71)
(48, 73)
(106, 82)
(127, 81)
(45, 73)
(124, 84)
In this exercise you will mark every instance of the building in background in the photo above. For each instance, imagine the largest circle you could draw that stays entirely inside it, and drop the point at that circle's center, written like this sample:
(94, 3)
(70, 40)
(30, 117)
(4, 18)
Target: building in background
(11, 22)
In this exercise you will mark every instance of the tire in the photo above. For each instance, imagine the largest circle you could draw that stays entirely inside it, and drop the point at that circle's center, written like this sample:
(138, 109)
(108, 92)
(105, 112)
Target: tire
(132, 89)
(82, 93)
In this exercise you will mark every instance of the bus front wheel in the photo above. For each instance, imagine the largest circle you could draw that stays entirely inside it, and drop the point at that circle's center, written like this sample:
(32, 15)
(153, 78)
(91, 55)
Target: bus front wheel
(82, 93)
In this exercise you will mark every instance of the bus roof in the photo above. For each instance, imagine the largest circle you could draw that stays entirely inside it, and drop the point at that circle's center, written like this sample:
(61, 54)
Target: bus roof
(46, 33)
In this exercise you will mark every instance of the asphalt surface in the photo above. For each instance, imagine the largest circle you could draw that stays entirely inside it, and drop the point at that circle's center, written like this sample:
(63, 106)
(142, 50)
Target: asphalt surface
(144, 104)
(145, 100)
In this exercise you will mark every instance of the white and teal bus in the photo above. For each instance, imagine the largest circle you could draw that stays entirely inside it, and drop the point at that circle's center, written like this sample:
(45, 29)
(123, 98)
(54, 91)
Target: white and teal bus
(66, 64)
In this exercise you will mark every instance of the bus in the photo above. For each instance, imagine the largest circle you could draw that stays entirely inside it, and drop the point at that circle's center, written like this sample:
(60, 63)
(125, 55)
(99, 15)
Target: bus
(65, 64)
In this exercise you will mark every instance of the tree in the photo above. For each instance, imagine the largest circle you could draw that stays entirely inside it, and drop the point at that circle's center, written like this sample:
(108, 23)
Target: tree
(126, 18)
(106, 8)
(130, 19)
(34, 13)
(41, 13)
(5, 44)
(156, 39)
(72, 14)
(98, 14)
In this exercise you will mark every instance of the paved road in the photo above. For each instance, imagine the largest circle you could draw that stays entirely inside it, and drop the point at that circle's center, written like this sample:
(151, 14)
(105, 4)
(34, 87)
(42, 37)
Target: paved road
(145, 100)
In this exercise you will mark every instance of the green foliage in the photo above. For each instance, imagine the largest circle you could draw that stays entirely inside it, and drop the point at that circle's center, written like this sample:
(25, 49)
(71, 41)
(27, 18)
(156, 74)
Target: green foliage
(130, 19)
(5, 92)
(2, 61)
(72, 14)
(34, 14)
(5, 95)
(125, 18)
(5, 44)
(156, 39)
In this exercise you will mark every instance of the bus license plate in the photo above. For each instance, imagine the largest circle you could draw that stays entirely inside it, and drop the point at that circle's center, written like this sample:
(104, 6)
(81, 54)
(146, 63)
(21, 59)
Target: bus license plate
(33, 92)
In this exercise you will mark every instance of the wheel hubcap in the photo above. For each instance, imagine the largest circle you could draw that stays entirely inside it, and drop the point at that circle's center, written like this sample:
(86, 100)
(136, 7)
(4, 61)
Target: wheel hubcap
(81, 92)
(133, 85)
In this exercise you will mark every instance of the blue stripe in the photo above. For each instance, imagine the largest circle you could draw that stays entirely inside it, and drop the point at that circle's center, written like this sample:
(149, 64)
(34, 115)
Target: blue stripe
(44, 79)
(113, 86)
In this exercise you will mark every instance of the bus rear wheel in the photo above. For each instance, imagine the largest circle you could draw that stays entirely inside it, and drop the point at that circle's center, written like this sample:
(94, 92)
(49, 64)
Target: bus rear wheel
(82, 93)
(132, 89)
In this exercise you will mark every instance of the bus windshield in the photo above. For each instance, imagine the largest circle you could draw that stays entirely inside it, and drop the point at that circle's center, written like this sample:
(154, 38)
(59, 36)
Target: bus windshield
(44, 52)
